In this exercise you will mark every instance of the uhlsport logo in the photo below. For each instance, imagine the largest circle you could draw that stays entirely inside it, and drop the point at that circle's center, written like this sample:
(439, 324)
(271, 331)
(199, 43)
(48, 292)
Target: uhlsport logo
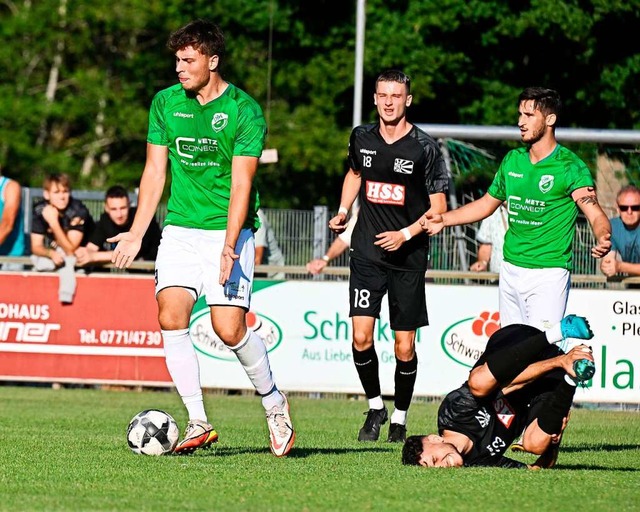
(207, 342)
(546, 183)
(465, 341)
(219, 121)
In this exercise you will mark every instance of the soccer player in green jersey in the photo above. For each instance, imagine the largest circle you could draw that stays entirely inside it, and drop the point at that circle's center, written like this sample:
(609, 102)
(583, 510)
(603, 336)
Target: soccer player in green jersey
(212, 134)
(544, 185)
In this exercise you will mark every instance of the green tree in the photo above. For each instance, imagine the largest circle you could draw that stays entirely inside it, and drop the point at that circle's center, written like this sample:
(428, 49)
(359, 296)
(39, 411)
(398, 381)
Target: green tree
(79, 76)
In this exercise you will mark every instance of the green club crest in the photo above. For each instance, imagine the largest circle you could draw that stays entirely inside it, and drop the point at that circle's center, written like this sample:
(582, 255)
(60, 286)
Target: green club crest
(546, 183)
(219, 121)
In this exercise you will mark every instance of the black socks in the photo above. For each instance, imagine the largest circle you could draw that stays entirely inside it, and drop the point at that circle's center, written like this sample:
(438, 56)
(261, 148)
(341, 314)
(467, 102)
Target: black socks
(405, 380)
(367, 366)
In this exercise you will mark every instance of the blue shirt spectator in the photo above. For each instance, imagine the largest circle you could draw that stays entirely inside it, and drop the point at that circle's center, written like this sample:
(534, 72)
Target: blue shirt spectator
(12, 238)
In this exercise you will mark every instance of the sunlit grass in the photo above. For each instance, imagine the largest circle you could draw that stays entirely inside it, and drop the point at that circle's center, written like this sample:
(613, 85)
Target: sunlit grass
(66, 450)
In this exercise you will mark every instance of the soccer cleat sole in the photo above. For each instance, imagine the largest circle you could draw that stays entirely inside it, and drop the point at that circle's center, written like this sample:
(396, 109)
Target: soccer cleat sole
(202, 442)
(517, 447)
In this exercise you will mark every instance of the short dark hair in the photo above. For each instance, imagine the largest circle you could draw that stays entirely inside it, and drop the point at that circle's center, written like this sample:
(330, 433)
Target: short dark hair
(412, 451)
(545, 100)
(394, 75)
(116, 191)
(205, 36)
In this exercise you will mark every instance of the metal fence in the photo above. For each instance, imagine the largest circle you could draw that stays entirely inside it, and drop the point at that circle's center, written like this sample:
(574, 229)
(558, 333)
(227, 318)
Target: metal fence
(303, 235)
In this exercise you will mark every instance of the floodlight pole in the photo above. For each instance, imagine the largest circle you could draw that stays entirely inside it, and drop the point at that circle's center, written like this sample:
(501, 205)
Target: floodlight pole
(358, 73)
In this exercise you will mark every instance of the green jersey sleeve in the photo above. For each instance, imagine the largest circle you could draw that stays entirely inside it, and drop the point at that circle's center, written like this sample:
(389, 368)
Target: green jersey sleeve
(579, 175)
(498, 188)
(157, 133)
(252, 130)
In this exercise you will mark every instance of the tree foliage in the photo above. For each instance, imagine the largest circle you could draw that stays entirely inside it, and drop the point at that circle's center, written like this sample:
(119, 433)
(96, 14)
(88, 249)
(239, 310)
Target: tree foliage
(79, 76)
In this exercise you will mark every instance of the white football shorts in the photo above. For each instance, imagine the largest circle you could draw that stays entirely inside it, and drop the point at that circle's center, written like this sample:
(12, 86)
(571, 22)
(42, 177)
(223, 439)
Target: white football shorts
(533, 296)
(190, 258)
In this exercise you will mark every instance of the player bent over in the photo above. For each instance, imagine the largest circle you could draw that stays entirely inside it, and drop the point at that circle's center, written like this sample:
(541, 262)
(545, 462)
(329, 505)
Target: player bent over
(523, 381)
(213, 134)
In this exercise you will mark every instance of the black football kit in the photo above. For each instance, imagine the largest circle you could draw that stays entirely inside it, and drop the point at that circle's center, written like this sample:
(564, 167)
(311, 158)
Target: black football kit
(397, 180)
(494, 422)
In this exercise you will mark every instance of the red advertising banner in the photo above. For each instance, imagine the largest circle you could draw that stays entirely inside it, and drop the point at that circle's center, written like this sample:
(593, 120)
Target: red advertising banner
(109, 334)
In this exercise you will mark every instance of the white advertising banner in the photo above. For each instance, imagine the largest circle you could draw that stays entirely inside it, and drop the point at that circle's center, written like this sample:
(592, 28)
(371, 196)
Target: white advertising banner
(307, 330)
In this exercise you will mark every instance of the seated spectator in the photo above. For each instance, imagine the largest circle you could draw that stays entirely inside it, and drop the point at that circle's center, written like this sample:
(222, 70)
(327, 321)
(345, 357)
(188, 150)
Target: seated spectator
(12, 240)
(60, 225)
(490, 236)
(267, 249)
(624, 257)
(117, 218)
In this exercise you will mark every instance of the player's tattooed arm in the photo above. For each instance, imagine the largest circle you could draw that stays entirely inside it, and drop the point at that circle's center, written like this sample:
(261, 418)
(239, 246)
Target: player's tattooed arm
(585, 198)
(590, 197)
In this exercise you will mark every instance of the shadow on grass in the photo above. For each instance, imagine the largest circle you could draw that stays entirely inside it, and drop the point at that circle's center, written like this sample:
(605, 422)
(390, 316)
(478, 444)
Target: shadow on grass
(295, 453)
(599, 448)
(592, 467)
(298, 453)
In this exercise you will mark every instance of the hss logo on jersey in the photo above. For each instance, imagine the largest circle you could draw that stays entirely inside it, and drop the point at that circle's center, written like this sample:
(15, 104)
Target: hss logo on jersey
(385, 193)
(504, 411)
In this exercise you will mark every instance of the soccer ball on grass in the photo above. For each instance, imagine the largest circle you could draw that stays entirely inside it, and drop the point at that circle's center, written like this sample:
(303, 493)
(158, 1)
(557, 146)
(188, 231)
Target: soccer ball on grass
(152, 432)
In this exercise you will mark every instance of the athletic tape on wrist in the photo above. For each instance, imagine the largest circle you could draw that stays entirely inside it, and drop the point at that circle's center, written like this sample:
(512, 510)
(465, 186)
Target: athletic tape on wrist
(406, 233)
(344, 210)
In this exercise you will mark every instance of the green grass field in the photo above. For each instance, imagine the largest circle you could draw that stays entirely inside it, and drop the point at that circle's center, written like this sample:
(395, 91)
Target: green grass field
(66, 450)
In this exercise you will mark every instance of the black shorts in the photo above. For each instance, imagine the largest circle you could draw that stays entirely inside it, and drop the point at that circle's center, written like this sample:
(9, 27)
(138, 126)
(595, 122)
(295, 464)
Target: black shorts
(368, 283)
(535, 394)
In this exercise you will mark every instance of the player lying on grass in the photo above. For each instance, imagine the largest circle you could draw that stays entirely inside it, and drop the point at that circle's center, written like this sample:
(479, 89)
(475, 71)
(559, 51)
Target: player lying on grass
(523, 381)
